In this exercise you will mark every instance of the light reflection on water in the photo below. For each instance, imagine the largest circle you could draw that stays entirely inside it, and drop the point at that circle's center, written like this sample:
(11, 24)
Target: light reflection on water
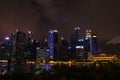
(27, 68)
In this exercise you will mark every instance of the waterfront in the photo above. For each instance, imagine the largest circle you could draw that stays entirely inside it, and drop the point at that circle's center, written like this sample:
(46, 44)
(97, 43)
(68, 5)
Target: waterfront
(35, 69)
(93, 71)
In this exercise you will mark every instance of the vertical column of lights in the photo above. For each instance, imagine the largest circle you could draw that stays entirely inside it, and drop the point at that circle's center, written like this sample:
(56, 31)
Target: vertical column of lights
(14, 46)
(50, 44)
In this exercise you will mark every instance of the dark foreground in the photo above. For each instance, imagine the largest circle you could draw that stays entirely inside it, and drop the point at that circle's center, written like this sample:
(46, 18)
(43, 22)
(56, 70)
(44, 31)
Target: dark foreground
(96, 71)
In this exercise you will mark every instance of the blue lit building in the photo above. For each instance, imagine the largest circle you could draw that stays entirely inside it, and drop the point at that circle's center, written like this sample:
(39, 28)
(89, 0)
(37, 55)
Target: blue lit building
(94, 44)
(51, 44)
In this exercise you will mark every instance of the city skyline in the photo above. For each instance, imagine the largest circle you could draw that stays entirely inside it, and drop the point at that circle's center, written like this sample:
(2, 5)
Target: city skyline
(102, 17)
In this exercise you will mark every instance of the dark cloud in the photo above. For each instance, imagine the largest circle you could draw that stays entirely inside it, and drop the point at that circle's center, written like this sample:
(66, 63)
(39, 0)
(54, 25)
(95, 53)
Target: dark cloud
(64, 15)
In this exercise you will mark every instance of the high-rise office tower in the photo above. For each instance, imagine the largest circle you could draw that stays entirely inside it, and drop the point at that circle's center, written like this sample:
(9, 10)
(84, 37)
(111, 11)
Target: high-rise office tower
(86, 47)
(30, 49)
(94, 44)
(88, 33)
(75, 37)
(53, 44)
(75, 42)
(20, 42)
(63, 49)
(55, 35)
(29, 36)
(87, 44)
(56, 51)
(6, 48)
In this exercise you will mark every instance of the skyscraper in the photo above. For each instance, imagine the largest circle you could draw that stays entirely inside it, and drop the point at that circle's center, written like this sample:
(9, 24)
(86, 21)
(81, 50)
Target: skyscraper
(75, 37)
(55, 35)
(63, 49)
(20, 42)
(75, 41)
(87, 44)
(53, 44)
(94, 44)
(29, 37)
(56, 51)
(6, 48)
(88, 33)
(30, 49)
(86, 47)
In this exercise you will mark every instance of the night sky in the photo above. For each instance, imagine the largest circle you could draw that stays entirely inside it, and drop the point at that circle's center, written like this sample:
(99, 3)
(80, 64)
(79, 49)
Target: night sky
(102, 16)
